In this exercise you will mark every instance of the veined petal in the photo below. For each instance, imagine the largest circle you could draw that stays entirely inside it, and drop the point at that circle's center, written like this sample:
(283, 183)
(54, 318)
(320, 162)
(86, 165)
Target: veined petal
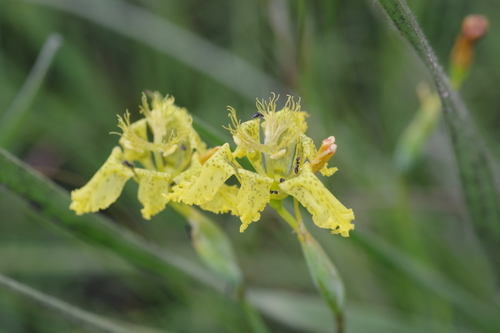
(202, 188)
(104, 187)
(225, 200)
(252, 197)
(151, 186)
(327, 212)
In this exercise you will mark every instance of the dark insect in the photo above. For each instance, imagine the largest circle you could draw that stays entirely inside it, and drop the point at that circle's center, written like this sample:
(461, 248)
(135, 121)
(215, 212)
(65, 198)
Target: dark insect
(257, 115)
(183, 147)
(297, 165)
(128, 164)
(282, 180)
(274, 192)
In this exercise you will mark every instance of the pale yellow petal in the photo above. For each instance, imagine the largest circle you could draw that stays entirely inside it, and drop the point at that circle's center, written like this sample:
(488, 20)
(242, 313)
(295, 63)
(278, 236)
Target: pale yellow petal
(252, 197)
(225, 200)
(326, 171)
(327, 212)
(104, 187)
(306, 148)
(213, 174)
(193, 170)
(151, 186)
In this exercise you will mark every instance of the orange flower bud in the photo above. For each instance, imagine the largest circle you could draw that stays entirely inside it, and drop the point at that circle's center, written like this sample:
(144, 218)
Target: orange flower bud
(326, 151)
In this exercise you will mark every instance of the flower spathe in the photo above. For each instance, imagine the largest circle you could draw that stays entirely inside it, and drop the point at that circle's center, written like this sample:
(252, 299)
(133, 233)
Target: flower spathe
(285, 161)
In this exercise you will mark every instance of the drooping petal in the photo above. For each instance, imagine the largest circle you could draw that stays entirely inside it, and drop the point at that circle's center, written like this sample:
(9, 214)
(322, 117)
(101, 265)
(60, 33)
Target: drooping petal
(327, 212)
(225, 200)
(202, 188)
(104, 187)
(252, 197)
(151, 186)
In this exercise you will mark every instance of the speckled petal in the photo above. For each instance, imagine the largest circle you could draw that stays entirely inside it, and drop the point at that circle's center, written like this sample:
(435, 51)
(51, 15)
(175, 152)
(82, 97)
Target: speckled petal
(151, 186)
(306, 148)
(225, 200)
(203, 187)
(104, 187)
(326, 210)
(252, 197)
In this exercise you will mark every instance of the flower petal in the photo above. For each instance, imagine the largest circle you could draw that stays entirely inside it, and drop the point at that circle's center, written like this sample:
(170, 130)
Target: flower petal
(202, 188)
(151, 186)
(225, 200)
(252, 197)
(326, 210)
(104, 187)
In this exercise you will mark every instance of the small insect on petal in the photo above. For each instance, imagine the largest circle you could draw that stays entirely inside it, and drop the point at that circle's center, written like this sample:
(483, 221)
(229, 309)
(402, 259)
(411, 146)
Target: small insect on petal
(257, 115)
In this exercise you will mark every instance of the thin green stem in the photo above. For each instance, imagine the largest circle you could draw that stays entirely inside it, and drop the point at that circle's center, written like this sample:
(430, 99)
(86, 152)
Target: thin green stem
(296, 207)
(285, 214)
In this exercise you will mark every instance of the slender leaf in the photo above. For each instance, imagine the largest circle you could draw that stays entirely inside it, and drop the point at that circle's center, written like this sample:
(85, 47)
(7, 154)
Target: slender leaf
(174, 41)
(471, 154)
(484, 314)
(14, 115)
(96, 323)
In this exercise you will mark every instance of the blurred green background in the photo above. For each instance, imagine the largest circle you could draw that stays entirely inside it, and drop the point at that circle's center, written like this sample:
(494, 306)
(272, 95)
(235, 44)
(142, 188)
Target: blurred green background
(357, 78)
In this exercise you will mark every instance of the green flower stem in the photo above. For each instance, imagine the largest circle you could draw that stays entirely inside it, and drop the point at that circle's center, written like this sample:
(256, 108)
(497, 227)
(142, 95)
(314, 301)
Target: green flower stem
(215, 250)
(322, 270)
(278, 207)
(296, 207)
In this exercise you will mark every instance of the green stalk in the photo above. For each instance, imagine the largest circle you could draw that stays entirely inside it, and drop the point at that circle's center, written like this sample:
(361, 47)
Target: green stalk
(472, 157)
(322, 270)
(278, 207)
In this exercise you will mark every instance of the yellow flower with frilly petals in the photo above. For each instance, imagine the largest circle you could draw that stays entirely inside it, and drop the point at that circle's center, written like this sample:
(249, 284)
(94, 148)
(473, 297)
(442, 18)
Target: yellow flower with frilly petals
(174, 146)
(285, 161)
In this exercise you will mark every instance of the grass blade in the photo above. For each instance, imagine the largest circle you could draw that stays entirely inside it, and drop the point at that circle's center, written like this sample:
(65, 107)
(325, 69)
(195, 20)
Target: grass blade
(172, 40)
(471, 154)
(14, 115)
(483, 314)
(75, 314)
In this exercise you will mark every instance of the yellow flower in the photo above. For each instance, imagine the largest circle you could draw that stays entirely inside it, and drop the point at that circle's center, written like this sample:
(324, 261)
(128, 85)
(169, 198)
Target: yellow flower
(284, 159)
(159, 161)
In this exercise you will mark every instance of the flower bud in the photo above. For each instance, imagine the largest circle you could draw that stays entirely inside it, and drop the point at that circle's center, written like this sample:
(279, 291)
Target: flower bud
(324, 274)
(474, 27)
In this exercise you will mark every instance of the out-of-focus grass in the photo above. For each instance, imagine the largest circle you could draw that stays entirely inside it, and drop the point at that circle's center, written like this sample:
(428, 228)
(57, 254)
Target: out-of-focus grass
(356, 78)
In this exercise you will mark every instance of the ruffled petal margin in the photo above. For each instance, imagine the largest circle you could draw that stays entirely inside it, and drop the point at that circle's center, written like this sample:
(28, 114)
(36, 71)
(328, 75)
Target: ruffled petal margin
(327, 212)
(104, 187)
